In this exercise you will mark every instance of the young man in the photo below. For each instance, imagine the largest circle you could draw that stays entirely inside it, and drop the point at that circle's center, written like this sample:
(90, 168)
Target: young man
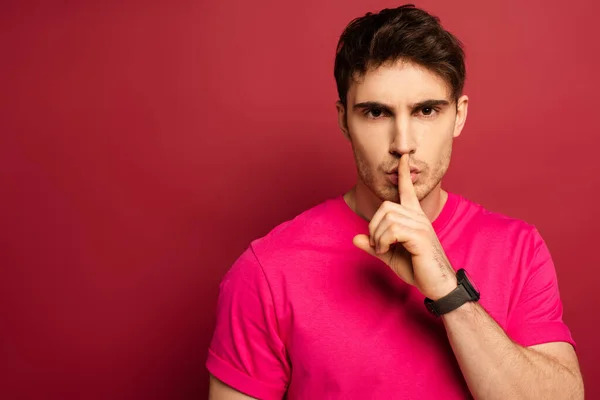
(397, 289)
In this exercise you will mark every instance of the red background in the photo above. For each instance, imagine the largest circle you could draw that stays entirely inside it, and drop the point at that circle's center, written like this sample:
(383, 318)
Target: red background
(143, 146)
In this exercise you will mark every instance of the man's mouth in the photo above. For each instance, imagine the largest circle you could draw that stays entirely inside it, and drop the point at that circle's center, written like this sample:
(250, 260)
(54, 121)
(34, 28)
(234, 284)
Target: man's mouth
(393, 177)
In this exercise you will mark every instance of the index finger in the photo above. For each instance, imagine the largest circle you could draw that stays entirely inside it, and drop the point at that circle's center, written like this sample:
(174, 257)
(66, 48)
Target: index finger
(406, 189)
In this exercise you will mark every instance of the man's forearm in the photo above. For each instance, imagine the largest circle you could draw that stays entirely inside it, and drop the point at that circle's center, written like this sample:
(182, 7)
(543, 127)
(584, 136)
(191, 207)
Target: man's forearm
(495, 367)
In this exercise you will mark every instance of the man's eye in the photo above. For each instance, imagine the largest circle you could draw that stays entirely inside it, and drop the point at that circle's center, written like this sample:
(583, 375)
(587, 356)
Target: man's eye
(428, 111)
(374, 113)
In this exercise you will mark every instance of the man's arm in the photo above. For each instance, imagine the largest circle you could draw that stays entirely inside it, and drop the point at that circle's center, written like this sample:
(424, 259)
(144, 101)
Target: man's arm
(493, 365)
(220, 391)
(246, 351)
(497, 368)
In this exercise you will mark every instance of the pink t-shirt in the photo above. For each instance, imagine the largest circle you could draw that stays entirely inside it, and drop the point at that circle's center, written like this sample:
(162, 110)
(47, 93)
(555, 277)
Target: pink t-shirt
(305, 314)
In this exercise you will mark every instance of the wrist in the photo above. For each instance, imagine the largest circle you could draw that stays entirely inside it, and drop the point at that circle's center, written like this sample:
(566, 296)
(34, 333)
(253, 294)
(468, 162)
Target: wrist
(443, 289)
(443, 302)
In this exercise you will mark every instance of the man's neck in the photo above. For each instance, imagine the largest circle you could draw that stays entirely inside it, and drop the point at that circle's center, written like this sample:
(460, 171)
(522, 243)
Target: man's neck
(364, 202)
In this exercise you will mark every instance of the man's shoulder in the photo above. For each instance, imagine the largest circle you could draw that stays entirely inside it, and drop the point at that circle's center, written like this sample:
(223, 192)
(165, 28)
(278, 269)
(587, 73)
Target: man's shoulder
(490, 224)
(317, 224)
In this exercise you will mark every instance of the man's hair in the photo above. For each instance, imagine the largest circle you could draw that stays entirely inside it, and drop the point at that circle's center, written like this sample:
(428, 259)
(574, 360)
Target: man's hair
(406, 33)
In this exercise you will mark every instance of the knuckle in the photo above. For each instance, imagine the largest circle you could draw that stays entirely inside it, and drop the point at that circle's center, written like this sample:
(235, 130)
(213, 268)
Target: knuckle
(396, 229)
(388, 216)
(372, 228)
(387, 204)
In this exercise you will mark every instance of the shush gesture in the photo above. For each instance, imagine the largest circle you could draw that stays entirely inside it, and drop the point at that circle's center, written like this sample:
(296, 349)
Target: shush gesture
(402, 237)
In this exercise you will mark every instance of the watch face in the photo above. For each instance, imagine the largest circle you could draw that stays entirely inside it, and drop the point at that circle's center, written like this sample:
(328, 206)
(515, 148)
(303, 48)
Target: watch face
(471, 281)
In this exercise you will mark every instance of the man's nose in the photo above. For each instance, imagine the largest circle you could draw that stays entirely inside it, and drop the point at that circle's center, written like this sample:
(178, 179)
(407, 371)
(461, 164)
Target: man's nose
(402, 141)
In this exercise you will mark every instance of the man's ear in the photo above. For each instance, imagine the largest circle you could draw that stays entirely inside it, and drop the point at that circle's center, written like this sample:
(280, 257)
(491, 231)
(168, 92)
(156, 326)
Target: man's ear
(462, 105)
(342, 119)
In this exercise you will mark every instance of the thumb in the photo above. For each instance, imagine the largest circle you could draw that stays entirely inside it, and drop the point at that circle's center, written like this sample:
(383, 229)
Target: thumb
(362, 242)
(403, 269)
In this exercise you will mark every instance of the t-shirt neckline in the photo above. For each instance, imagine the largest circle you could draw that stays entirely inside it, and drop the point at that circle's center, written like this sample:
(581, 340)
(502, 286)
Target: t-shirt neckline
(439, 224)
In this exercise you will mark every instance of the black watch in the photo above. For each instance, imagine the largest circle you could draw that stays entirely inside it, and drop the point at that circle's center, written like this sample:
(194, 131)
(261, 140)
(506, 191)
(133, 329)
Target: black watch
(465, 291)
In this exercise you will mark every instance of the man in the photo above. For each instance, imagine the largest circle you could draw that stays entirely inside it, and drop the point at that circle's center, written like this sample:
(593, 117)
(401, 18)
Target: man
(397, 289)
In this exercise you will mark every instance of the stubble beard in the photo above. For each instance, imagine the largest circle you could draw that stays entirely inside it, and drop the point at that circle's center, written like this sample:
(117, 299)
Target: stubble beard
(375, 178)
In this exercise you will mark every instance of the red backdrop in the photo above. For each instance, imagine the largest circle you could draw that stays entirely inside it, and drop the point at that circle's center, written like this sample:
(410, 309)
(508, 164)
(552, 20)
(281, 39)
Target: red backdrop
(143, 146)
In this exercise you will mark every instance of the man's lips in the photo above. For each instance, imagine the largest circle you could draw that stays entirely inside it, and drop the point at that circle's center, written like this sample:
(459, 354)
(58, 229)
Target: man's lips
(395, 171)
(393, 177)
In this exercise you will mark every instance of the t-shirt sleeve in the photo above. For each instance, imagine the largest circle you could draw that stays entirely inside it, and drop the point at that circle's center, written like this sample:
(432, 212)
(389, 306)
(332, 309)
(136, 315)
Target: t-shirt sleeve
(537, 316)
(246, 351)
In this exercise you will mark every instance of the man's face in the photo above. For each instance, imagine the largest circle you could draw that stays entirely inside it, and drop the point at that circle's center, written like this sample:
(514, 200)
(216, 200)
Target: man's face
(401, 108)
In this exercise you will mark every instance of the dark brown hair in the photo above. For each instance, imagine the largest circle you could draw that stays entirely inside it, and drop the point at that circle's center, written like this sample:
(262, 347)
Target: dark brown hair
(405, 32)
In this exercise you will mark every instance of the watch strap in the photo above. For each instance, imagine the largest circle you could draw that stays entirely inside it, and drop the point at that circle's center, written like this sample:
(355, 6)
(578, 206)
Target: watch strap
(450, 302)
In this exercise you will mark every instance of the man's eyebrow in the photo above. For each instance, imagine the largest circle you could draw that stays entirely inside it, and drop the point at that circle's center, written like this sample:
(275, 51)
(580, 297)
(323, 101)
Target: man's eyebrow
(373, 104)
(430, 103)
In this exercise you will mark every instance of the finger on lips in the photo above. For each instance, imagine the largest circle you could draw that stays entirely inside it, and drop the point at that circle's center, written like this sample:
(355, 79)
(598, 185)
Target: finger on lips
(406, 189)
(390, 214)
